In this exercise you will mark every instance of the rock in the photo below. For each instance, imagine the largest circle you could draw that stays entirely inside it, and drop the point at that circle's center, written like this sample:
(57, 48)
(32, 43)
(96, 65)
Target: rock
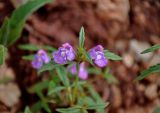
(137, 47)
(116, 10)
(9, 94)
(17, 3)
(155, 60)
(116, 96)
(151, 91)
(128, 59)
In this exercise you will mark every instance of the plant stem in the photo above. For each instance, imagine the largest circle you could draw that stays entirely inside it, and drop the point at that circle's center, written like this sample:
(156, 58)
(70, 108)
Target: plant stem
(75, 90)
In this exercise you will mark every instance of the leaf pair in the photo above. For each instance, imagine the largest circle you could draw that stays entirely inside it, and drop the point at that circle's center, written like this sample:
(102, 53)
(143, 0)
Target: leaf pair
(152, 69)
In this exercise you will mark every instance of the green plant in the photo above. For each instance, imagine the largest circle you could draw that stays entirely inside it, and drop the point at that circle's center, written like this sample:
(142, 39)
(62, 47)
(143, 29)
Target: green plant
(12, 27)
(152, 69)
(67, 85)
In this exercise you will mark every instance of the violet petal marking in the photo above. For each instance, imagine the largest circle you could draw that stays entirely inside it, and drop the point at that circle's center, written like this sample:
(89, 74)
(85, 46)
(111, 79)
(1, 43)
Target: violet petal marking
(64, 54)
(97, 55)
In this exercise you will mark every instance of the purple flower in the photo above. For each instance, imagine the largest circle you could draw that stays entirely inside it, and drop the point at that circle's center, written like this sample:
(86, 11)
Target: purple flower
(97, 55)
(82, 74)
(40, 58)
(64, 54)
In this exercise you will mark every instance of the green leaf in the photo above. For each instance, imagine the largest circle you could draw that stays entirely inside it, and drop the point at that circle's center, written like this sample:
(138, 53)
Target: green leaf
(56, 89)
(30, 47)
(28, 57)
(112, 56)
(68, 110)
(48, 67)
(95, 71)
(39, 86)
(27, 110)
(97, 106)
(109, 77)
(81, 37)
(157, 110)
(150, 70)
(37, 107)
(3, 51)
(4, 32)
(98, 99)
(151, 49)
(49, 48)
(18, 18)
(44, 104)
(62, 74)
(88, 58)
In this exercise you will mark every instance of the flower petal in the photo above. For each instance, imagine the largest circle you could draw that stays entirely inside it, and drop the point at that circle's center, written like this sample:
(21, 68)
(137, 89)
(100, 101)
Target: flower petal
(83, 74)
(58, 58)
(101, 62)
(37, 62)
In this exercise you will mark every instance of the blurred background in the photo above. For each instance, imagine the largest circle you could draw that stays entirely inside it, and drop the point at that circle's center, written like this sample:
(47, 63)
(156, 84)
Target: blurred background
(125, 27)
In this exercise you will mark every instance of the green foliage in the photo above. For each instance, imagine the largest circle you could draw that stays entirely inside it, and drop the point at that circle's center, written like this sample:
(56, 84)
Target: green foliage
(69, 110)
(151, 49)
(81, 37)
(3, 51)
(112, 56)
(12, 27)
(29, 47)
(48, 67)
(4, 32)
(38, 87)
(27, 110)
(150, 70)
(64, 90)
(102, 105)
(32, 47)
(19, 17)
(54, 89)
(62, 74)
(157, 110)
(28, 57)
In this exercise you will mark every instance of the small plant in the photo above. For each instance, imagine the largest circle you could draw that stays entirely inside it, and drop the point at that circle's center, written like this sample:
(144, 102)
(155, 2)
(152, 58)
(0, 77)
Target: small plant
(67, 87)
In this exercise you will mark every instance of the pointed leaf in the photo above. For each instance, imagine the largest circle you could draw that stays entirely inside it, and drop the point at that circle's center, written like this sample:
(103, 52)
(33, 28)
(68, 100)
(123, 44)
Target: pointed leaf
(68, 110)
(112, 56)
(151, 49)
(3, 51)
(48, 67)
(27, 110)
(19, 16)
(28, 57)
(150, 70)
(62, 74)
(4, 32)
(81, 37)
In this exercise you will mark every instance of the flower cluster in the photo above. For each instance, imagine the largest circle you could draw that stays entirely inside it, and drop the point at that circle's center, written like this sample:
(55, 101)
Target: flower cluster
(66, 53)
